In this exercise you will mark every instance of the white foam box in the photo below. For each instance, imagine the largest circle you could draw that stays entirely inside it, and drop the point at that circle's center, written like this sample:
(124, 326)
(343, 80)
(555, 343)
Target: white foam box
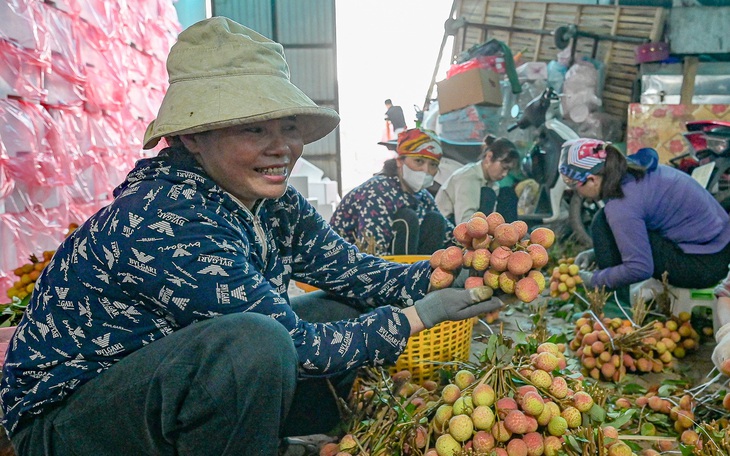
(325, 191)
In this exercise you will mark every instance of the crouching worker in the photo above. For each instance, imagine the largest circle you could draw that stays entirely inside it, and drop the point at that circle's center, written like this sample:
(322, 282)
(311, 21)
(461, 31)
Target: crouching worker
(475, 187)
(721, 353)
(393, 209)
(163, 326)
(656, 219)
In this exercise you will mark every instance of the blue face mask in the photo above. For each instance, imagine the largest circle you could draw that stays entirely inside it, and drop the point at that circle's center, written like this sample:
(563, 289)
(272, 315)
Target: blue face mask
(416, 180)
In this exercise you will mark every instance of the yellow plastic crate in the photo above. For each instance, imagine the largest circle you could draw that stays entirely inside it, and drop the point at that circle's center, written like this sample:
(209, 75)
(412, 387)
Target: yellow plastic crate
(429, 349)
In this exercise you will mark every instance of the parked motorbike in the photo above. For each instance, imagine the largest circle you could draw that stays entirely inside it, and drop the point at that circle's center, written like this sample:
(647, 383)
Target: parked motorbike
(554, 202)
(708, 160)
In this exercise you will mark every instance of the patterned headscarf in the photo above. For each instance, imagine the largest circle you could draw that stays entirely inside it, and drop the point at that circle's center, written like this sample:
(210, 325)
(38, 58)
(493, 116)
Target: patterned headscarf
(582, 157)
(419, 143)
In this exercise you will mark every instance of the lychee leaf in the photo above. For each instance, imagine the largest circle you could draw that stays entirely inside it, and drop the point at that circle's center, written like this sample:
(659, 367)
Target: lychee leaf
(622, 419)
(597, 413)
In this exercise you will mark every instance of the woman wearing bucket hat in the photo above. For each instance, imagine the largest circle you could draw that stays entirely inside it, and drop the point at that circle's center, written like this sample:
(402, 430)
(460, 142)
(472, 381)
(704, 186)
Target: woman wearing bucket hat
(475, 186)
(163, 324)
(656, 219)
(392, 213)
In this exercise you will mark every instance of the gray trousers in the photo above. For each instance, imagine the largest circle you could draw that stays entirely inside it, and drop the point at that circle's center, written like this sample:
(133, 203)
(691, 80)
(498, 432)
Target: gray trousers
(224, 386)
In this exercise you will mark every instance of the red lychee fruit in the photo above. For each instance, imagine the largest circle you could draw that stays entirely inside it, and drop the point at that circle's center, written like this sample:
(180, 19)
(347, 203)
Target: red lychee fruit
(520, 262)
(435, 259)
(521, 228)
(507, 282)
(582, 401)
(329, 449)
(481, 259)
(535, 443)
(477, 227)
(482, 394)
(464, 378)
(532, 403)
(726, 401)
(526, 289)
(468, 258)
(553, 445)
(494, 219)
(610, 432)
(516, 447)
(461, 427)
(499, 259)
(539, 278)
(450, 393)
(546, 361)
(446, 444)
(541, 379)
(619, 448)
(482, 442)
(559, 387)
(506, 235)
(443, 415)
(515, 422)
(461, 234)
(451, 258)
(474, 282)
(557, 426)
(572, 417)
(483, 417)
(689, 437)
(481, 243)
(500, 432)
(504, 406)
(543, 236)
(348, 443)
(491, 278)
(441, 279)
(539, 255)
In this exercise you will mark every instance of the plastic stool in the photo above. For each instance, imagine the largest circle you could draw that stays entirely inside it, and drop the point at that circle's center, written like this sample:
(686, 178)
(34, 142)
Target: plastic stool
(689, 298)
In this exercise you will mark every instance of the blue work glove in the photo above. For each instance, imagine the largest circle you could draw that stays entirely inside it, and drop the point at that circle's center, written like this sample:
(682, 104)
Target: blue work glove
(585, 259)
(587, 278)
(452, 304)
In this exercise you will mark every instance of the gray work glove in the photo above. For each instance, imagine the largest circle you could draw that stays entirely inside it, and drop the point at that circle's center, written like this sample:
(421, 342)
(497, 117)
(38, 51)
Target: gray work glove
(452, 304)
(722, 349)
(585, 258)
(460, 279)
(587, 278)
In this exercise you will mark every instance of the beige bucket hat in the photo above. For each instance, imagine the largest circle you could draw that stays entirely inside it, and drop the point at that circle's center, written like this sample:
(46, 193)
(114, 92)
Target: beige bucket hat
(224, 74)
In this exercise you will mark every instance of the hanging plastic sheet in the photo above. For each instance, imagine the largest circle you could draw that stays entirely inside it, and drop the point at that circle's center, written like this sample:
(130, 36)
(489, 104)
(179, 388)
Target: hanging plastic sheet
(22, 72)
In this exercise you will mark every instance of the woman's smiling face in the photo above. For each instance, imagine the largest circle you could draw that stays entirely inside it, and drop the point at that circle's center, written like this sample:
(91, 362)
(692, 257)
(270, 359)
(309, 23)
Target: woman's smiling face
(251, 161)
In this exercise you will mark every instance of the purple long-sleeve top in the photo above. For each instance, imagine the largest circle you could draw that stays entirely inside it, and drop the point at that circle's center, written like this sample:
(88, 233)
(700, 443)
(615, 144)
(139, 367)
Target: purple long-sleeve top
(671, 203)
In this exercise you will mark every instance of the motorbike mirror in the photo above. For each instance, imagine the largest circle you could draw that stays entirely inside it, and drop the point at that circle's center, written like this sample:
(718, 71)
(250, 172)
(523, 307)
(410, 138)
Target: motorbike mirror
(515, 111)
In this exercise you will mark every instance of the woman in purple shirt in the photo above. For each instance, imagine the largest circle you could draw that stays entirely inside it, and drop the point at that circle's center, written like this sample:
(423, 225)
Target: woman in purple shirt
(656, 219)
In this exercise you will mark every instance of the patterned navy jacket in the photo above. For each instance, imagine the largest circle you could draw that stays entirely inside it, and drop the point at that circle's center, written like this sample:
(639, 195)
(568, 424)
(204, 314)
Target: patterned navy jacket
(173, 248)
(368, 210)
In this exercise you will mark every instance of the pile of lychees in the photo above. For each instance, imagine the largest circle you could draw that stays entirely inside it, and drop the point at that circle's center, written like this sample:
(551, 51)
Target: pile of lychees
(655, 348)
(498, 254)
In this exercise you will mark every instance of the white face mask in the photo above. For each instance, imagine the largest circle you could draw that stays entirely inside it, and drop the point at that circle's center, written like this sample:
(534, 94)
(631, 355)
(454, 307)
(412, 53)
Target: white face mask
(416, 180)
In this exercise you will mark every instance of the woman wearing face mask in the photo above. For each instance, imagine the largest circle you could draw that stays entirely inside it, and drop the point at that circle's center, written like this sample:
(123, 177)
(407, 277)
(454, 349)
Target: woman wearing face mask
(475, 186)
(392, 212)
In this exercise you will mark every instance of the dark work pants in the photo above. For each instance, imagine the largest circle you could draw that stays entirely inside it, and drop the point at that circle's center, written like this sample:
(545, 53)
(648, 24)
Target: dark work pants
(413, 238)
(685, 270)
(224, 386)
(505, 203)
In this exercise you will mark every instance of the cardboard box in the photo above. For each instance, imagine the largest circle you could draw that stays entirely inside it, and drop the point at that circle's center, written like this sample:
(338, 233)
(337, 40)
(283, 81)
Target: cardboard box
(473, 87)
